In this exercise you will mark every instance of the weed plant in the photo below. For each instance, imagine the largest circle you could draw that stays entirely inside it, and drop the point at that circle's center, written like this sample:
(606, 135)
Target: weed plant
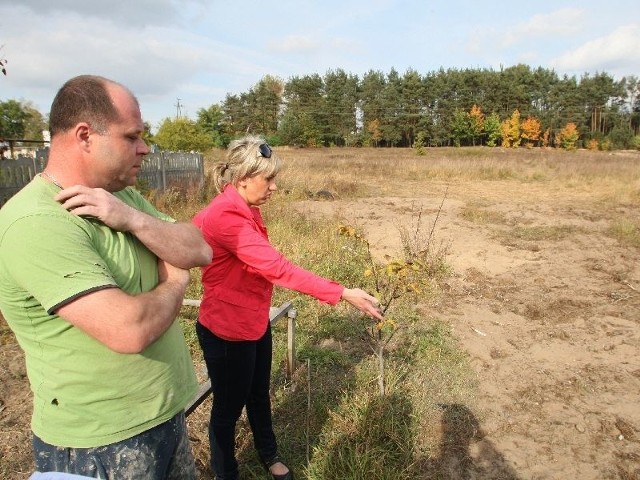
(626, 231)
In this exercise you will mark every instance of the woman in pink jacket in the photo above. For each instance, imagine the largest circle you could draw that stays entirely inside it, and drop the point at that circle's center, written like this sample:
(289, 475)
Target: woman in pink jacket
(233, 325)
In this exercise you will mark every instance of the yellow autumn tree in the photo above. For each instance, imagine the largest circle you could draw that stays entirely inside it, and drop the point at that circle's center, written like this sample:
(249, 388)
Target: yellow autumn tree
(476, 120)
(511, 130)
(373, 127)
(567, 138)
(531, 130)
(389, 281)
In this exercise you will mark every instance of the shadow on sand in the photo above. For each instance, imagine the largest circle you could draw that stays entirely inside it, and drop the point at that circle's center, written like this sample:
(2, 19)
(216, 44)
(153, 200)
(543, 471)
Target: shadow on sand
(465, 453)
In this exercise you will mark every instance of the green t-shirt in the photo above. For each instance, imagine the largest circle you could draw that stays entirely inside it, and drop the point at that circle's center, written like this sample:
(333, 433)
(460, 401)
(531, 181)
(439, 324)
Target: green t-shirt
(85, 395)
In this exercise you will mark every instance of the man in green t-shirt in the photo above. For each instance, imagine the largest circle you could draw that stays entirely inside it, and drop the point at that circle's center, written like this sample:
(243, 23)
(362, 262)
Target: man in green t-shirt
(92, 277)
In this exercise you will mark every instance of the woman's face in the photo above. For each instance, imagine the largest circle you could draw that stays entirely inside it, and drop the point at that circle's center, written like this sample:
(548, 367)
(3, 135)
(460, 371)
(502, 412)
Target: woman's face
(257, 190)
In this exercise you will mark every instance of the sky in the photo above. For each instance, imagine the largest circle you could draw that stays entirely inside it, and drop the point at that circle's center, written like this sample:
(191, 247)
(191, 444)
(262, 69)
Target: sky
(179, 56)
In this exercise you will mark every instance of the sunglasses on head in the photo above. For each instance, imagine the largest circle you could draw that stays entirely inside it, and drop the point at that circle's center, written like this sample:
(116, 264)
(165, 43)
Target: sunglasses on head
(264, 150)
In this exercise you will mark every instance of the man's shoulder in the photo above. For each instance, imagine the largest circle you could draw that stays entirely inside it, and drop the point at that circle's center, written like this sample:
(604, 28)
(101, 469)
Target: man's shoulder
(34, 200)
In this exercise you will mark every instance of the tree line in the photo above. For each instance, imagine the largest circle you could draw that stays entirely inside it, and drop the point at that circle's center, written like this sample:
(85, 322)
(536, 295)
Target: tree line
(510, 107)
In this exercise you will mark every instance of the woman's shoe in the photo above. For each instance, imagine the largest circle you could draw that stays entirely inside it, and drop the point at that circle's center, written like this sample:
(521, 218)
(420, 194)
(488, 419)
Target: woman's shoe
(268, 464)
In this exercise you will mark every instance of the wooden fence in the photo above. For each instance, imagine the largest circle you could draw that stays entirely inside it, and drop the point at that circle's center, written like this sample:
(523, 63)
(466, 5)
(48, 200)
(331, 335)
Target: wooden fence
(160, 170)
(16, 173)
(163, 170)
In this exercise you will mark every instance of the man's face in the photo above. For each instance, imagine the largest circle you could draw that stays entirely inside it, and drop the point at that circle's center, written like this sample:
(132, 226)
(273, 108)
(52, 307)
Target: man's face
(120, 150)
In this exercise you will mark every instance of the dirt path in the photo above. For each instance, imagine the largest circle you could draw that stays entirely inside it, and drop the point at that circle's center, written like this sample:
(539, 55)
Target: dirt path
(548, 308)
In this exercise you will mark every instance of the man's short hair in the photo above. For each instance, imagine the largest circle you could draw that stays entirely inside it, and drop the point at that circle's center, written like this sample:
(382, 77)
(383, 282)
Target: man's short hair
(84, 98)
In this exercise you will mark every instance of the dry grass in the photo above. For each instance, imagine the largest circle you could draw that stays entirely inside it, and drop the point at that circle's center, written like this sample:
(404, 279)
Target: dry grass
(478, 213)
(367, 171)
(426, 419)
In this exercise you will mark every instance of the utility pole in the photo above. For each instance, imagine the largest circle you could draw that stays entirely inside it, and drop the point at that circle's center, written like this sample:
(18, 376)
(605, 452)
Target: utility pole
(178, 109)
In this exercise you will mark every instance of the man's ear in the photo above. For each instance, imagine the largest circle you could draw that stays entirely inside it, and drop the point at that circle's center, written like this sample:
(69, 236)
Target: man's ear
(83, 134)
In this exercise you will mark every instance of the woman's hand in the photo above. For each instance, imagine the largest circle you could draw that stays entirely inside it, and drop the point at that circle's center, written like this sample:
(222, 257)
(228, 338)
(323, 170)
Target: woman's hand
(367, 304)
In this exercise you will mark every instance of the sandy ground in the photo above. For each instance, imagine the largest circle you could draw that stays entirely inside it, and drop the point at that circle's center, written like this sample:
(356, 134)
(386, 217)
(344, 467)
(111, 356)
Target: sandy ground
(550, 323)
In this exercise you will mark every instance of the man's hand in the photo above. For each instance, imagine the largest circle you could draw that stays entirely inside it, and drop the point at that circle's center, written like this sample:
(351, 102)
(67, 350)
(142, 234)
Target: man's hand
(140, 319)
(100, 204)
(180, 244)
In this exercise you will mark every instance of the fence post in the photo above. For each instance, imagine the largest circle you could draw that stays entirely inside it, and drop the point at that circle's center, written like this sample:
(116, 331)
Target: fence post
(291, 342)
(163, 171)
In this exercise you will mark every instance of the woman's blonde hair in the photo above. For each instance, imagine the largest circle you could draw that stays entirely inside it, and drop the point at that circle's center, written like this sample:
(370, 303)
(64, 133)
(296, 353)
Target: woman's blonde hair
(245, 160)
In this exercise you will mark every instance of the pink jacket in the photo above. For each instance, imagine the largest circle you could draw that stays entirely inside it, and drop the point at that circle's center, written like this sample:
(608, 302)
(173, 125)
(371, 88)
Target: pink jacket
(239, 280)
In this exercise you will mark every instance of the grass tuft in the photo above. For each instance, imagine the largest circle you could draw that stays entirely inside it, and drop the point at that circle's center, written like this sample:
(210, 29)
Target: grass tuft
(626, 231)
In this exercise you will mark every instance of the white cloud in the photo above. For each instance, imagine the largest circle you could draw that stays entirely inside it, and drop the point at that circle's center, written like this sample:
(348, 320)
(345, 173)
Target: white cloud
(294, 44)
(129, 13)
(97, 48)
(558, 24)
(616, 53)
(307, 45)
(157, 63)
(539, 29)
